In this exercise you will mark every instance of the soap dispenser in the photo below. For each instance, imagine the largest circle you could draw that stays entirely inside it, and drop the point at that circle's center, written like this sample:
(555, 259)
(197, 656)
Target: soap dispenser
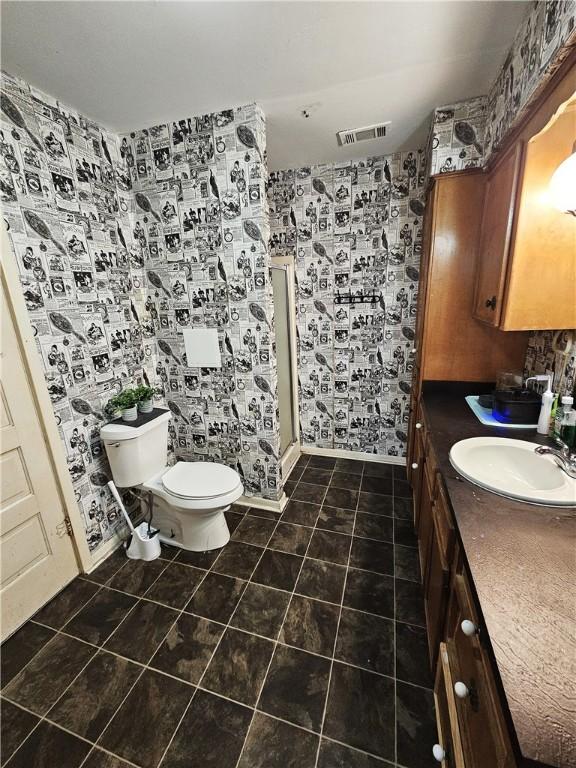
(547, 402)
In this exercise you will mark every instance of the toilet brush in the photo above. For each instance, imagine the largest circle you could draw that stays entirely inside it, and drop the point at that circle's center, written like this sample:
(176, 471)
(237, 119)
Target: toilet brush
(144, 542)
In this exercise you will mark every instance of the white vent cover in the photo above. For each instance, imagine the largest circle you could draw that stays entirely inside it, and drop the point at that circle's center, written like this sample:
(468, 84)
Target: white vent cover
(351, 136)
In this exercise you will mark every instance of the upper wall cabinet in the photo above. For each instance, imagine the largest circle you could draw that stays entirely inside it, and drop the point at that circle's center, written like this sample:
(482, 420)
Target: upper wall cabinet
(526, 276)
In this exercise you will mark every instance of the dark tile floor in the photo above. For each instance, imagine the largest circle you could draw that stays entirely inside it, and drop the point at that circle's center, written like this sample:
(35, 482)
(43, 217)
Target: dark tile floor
(301, 644)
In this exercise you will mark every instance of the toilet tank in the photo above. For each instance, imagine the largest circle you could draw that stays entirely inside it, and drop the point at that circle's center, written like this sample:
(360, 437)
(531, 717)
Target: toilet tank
(136, 454)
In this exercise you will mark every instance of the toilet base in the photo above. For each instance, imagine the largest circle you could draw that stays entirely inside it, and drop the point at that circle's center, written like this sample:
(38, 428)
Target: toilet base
(197, 531)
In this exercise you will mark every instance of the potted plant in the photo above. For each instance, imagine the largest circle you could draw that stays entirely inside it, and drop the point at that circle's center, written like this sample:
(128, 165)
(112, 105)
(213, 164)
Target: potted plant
(145, 397)
(126, 402)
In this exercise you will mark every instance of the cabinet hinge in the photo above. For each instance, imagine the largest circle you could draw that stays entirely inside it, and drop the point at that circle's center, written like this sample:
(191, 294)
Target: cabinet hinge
(64, 528)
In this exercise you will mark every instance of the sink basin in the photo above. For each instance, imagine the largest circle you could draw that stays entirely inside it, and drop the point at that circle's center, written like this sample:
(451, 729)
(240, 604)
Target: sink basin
(511, 468)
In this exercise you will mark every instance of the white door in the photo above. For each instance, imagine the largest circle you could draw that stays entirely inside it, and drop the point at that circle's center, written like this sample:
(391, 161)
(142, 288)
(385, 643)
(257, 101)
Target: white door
(37, 554)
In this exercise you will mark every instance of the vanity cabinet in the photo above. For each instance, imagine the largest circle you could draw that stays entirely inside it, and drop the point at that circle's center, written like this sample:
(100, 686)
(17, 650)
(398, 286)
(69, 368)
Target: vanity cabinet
(472, 731)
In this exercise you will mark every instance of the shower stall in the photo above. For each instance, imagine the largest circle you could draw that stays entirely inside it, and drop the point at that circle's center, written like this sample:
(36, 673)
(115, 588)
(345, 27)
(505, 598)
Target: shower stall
(282, 270)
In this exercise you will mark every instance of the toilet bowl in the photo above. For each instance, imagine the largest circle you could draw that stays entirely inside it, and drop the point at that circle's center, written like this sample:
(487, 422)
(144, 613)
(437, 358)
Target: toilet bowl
(188, 500)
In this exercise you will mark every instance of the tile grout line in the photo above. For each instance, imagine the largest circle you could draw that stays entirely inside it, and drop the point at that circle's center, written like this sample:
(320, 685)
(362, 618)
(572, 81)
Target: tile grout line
(147, 666)
(282, 551)
(255, 634)
(226, 627)
(53, 723)
(98, 649)
(265, 677)
(53, 629)
(196, 688)
(97, 747)
(183, 610)
(323, 720)
(44, 718)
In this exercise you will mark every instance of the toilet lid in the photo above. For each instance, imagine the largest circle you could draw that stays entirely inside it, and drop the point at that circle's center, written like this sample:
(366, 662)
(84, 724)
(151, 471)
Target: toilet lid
(200, 479)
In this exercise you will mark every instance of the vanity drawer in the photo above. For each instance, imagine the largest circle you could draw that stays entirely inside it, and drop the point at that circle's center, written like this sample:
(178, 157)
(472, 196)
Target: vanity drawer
(448, 751)
(482, 728)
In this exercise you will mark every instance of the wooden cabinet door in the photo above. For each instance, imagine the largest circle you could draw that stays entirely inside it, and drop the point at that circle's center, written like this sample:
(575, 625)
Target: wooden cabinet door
(541, 280)
(424, 516)
(417, 473)
(481, 723)
(495, 234)
(446, 718)
(436, 586)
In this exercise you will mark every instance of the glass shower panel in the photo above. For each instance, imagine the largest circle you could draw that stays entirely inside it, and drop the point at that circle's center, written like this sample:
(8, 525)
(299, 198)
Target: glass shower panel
(283, 357)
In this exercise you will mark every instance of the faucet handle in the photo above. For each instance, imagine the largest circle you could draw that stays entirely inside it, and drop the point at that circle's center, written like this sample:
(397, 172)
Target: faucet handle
(567, 450)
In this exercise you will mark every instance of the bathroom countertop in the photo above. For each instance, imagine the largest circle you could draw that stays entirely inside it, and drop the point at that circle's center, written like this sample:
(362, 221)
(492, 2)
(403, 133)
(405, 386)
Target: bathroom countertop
(522, 559)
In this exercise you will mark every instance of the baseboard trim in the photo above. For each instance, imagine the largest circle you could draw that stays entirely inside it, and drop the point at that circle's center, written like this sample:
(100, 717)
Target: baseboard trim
(271, 505)
(338, 453)
(289, 459)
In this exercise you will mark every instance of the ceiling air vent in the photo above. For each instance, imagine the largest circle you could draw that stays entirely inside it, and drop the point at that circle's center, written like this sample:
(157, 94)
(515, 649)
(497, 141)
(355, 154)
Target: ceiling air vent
(377, 131)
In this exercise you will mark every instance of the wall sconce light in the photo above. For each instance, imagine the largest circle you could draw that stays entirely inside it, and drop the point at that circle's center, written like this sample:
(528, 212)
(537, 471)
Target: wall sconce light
(562, 186)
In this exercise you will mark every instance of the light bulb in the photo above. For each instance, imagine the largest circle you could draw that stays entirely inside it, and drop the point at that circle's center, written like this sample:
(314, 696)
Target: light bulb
(562, 186)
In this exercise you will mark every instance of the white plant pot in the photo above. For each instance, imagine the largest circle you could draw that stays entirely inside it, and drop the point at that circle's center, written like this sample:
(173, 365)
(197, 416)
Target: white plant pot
(130, 414)
(146, 406)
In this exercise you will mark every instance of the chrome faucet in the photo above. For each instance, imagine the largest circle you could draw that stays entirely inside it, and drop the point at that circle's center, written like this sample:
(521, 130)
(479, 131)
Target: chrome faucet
(563, 457)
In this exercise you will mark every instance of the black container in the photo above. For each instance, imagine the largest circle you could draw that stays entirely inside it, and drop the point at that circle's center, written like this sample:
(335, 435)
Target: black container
(516, 406)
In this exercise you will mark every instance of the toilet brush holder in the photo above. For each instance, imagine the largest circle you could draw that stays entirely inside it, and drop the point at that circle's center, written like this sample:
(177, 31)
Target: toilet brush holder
(145, 542)
(144, 545)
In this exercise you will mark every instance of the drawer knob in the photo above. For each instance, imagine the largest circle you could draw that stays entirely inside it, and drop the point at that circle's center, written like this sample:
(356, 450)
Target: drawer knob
(414, 351)
(414, 466)
(438, 753)
(461, 690)
(469, 628)
(418, 425)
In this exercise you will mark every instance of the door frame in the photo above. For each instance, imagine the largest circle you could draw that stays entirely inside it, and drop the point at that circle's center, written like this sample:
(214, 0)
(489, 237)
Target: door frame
(33, 370)
(292, 452)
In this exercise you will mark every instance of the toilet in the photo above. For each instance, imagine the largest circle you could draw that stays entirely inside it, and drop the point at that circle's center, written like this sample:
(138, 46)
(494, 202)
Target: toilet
(188, 499)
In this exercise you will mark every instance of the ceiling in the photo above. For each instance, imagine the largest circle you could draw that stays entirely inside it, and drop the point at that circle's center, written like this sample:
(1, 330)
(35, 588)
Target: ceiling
(348, 64)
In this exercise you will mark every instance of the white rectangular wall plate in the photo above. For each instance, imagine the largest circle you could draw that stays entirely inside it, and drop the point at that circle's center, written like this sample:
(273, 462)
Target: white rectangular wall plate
(202, 348)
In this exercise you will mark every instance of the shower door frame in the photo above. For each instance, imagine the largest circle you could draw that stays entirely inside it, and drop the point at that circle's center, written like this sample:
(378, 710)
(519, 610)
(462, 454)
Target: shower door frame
(292, 452)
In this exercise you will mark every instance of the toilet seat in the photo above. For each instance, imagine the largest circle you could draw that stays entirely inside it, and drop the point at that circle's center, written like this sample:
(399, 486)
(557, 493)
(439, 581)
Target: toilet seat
(200, 480)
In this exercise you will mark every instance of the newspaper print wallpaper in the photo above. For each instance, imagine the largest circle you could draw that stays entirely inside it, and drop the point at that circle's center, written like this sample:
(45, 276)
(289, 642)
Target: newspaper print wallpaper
(201, 219)
(65, 194)
(121, 242)
(464, 135)
(354, 231)
(553, 352)
(457, 136)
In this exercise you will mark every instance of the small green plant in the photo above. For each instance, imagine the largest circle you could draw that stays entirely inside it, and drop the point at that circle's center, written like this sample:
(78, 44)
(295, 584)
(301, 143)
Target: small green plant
(124, 400)
(144, 393)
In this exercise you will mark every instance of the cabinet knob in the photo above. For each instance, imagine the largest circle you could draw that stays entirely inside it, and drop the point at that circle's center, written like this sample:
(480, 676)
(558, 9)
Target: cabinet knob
(418, 425)
(469, 628)
(461, 690)
(414, 351)
(491, 303)
(438, 752)
(414, 466)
